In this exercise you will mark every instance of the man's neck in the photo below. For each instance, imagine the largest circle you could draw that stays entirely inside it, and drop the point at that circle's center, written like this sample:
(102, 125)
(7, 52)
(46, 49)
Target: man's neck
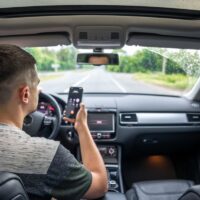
(10, 118)
(10, 123)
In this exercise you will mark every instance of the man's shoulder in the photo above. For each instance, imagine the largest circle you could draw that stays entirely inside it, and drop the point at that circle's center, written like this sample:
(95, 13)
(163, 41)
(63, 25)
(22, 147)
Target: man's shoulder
(14, 132)
(24, 154)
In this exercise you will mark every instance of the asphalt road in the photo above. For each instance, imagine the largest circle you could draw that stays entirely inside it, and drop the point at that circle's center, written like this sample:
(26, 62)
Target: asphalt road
(99, 80)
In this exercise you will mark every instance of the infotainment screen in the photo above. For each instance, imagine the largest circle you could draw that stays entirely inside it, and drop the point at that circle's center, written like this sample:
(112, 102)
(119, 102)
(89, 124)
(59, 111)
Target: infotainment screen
(103, 122)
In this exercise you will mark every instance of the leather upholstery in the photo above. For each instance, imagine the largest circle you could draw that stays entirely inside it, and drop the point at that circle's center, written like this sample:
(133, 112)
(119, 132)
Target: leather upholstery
(191, 194)
(11, 187)
(158, 190)
(113, 196)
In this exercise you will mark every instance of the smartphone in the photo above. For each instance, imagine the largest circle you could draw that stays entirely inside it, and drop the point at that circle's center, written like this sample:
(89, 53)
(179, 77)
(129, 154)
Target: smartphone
(73, 103)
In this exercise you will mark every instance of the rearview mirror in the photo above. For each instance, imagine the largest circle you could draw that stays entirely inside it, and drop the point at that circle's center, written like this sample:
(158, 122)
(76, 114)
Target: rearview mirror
(97, 59)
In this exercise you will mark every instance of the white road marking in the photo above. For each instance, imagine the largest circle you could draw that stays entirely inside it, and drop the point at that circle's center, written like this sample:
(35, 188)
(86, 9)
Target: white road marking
(79, 82)
(118, 85)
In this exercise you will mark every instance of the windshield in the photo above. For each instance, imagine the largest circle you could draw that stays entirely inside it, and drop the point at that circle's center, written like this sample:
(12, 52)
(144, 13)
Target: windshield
(142, 70)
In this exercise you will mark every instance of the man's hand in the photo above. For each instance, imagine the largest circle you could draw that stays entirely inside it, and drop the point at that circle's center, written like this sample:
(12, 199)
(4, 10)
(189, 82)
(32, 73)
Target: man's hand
(81, 119)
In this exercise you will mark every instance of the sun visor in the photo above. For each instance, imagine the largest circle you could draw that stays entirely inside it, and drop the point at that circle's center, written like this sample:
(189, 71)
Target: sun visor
(155, 40)
(37, 40)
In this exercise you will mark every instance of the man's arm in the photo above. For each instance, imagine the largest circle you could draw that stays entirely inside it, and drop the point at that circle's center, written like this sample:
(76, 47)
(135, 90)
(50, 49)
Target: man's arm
(91, 157)
(93, 161)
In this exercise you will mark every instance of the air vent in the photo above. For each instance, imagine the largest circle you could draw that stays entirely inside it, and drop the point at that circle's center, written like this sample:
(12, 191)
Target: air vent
(128, 118)
(195, 117)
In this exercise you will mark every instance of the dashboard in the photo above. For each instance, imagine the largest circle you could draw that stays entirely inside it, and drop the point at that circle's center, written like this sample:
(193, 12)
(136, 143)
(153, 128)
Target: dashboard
(127, 127)
(143, 122)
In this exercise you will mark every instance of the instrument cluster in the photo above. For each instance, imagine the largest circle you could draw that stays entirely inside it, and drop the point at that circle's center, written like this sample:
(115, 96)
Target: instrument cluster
(46, 108)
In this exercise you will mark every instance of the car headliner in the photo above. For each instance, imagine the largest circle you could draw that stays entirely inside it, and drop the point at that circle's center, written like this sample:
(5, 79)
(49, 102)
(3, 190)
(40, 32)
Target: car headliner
(178, 4)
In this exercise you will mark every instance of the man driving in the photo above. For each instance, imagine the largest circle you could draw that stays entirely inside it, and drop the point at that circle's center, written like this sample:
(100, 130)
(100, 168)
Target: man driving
(46, 168)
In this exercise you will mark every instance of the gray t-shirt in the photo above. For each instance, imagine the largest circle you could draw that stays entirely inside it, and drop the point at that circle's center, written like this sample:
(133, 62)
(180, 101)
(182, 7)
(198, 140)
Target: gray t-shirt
(46, 168)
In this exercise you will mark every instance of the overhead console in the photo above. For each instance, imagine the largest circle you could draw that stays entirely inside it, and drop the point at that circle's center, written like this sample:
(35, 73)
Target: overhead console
(106, 37)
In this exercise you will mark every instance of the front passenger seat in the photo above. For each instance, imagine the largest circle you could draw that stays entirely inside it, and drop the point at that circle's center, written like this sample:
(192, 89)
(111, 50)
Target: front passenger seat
(192, 194)
(11, 187)
(158, 190)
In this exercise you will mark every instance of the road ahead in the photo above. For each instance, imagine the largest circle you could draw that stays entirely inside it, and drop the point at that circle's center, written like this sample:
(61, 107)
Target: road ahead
(99, 80)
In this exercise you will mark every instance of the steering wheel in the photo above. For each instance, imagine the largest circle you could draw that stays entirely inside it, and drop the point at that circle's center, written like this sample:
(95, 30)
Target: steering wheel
(38, 124)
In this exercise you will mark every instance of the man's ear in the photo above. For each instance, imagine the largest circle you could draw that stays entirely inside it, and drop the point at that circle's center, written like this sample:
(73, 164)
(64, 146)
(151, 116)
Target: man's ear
(24, 94)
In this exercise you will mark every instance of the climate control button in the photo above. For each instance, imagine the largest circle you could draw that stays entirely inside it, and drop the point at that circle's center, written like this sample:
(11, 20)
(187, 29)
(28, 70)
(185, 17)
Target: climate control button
(99, 135)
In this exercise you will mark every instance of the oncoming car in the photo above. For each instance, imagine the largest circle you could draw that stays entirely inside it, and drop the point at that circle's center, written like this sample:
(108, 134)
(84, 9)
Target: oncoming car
(138, 64)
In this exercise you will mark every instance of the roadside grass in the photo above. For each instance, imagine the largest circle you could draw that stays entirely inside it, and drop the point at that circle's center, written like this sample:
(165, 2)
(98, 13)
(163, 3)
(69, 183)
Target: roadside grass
(50, 76)
(46, 76)
(175, 81)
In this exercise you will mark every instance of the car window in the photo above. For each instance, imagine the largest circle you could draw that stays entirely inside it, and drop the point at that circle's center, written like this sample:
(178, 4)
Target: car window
(145, 70)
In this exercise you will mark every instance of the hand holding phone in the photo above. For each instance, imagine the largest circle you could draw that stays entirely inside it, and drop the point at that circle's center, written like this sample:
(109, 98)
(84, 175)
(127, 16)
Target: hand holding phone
(74, 100)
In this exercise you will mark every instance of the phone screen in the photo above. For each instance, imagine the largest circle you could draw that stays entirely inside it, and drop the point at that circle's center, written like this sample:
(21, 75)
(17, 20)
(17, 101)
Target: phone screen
(74, 100)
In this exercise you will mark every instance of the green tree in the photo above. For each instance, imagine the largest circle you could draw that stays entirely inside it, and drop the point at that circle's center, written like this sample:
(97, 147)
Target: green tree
(189, 60)
(46, 57)
(147, 60)
(66, 57)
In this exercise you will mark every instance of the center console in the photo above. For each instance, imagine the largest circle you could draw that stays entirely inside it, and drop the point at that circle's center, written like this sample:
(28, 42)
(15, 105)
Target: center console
(102, 125)
(112, 158)
(111, 155)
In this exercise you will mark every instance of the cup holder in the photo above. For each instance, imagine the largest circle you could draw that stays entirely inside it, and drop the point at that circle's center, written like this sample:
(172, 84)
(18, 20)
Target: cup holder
(113, 180)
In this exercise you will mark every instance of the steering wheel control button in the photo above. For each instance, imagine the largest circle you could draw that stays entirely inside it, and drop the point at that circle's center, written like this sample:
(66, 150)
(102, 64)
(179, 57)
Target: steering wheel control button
(47, 121)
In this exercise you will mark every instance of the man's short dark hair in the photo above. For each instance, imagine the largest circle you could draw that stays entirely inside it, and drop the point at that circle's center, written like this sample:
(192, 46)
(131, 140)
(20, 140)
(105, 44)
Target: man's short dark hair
(16, 67)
